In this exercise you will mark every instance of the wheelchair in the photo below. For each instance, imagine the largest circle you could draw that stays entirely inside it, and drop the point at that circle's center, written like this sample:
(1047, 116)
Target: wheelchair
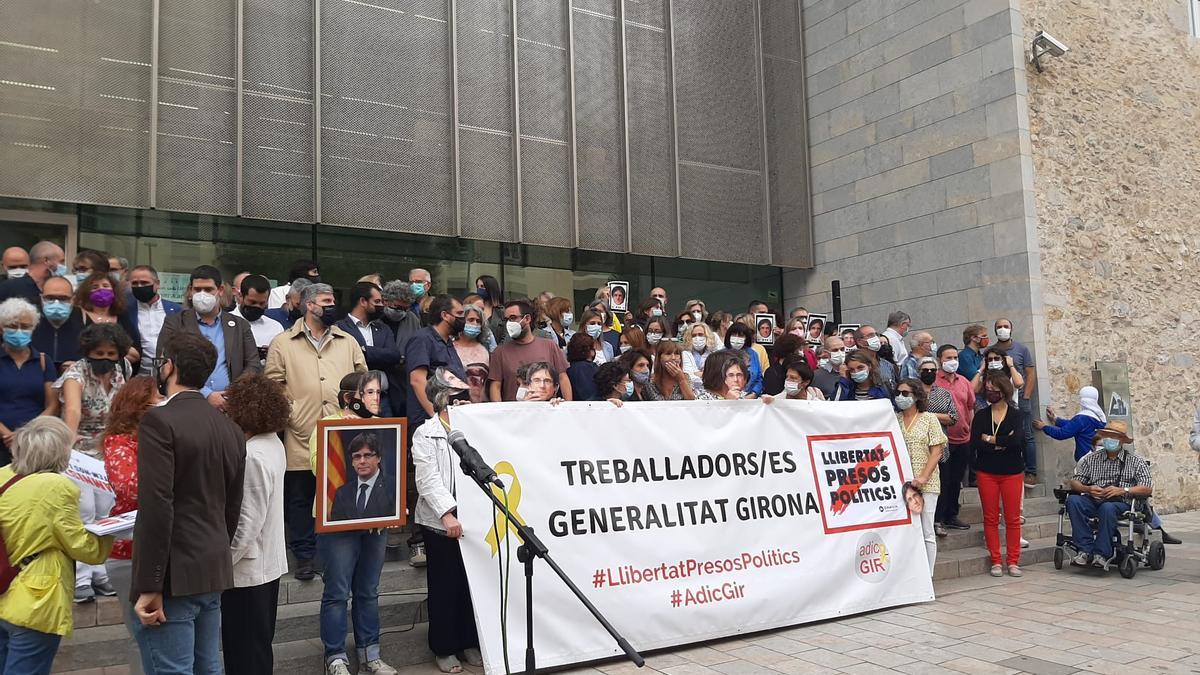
(1135, 543)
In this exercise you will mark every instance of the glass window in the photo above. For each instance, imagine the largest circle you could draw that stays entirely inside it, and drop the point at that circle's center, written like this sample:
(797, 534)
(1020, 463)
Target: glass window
(727, 286)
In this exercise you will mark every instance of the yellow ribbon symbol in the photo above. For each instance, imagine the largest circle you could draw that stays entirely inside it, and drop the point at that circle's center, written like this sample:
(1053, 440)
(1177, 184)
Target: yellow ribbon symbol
(503, 525)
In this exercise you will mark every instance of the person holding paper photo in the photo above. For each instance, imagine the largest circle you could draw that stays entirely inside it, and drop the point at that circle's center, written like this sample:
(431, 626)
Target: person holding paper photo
(39, 516)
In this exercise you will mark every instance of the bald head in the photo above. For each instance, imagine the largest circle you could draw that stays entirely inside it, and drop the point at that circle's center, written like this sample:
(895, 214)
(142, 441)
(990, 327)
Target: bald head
(44, 259)
(922, 344)
(14, 257)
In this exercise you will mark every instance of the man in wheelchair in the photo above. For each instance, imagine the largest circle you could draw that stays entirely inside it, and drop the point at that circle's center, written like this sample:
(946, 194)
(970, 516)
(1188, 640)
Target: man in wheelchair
(1111, 478)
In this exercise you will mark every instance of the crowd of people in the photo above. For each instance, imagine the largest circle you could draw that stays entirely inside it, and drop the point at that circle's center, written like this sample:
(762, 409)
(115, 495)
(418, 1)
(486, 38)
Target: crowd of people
(204, 413)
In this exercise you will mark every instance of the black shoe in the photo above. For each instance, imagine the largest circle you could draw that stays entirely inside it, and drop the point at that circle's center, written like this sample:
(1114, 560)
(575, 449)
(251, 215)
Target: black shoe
(1168, 539)
(957, 524)
(939, 529)
(304, 570)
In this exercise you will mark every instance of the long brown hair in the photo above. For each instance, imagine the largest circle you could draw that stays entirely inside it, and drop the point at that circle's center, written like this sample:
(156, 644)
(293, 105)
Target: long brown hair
(662, 381)
(129, 405)
(81, 299)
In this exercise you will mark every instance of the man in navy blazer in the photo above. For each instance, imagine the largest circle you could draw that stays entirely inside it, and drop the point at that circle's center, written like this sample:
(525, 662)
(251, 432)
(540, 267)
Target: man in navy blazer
(147, 310)
(369, 492)
(378, 342)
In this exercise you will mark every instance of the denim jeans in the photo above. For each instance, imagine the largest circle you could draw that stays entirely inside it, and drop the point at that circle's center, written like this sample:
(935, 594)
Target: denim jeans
(189, 642)
(299, 491)
(1080, 509)
(1026, 407)
(353, 562)
(24, 651)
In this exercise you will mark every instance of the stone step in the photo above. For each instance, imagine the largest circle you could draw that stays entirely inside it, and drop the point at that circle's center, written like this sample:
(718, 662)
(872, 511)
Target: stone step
(111, 645)
(1037, 527)
(972, 513)
(972, 561)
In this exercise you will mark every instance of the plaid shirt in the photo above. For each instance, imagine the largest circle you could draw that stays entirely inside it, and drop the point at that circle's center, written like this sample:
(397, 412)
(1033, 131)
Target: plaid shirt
(1097, 469)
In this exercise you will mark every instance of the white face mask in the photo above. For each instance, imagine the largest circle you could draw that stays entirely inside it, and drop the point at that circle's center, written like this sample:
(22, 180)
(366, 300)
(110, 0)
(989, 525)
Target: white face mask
(874, 343)
(791, 387)
(995, 365)
(904, 402)
(933, 348)
(204, 302)
(699, 342)
(567, 319)
(17, 272)
(1003, 333)
(653, 338)
(697, 316)
(824, 363)
(837, 358)
(737, 342)
(657, 311)
(625, 348)
(950, 366)
(513, 328)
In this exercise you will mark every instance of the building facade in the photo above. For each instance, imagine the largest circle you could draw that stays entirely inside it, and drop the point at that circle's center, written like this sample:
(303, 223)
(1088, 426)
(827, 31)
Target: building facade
(954, 181)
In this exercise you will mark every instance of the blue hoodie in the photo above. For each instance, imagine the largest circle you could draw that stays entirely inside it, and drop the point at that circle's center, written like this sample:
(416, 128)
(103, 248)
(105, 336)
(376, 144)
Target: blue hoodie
(1080, 427)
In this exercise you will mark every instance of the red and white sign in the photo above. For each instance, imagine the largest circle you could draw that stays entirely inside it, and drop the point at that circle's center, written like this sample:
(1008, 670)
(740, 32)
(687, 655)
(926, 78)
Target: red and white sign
(698, 520)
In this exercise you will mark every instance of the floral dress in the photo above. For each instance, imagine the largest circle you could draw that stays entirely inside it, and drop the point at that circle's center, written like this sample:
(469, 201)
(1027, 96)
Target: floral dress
(94, 406)
(120, 460)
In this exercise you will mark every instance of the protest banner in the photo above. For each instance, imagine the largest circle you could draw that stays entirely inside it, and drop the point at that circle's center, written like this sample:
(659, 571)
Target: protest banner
(88, 472)
(692, 521)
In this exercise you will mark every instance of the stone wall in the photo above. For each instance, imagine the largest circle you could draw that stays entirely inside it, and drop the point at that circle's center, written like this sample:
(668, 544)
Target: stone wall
(921, 176)
(1116, 147)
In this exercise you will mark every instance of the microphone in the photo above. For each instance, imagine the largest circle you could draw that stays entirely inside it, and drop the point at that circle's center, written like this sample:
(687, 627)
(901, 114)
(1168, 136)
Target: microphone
(472, 464)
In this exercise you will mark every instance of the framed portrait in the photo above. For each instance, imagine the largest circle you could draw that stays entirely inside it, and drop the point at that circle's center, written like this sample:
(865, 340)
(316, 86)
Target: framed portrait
(361, 473)
(764, 329)
(814, 329)
(618, 296)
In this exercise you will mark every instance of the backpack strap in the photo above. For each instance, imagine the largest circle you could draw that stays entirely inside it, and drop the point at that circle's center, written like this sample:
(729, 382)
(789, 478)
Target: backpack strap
(32, 556)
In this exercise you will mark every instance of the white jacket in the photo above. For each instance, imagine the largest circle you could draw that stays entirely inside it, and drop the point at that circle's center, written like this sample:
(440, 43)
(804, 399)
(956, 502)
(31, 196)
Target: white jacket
(434, 461)
(258, 550)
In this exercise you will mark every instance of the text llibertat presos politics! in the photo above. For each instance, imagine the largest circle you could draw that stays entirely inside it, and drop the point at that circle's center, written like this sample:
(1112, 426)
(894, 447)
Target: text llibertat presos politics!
(850, 477)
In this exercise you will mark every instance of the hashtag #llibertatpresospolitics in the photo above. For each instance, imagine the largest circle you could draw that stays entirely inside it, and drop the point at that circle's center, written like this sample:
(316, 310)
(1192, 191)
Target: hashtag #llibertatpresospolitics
(676, 598)
(598, 579)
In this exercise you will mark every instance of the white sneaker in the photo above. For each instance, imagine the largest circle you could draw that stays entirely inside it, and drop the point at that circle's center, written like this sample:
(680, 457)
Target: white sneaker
(472, 656)
(376, 667)
(1024, 542)
(1014, 571)
(1082, 559)
(997, 571)
(337, 667)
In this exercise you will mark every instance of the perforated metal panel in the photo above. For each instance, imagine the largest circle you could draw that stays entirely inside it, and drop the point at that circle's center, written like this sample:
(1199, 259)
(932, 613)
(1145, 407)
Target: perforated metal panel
(197, 106)
(485, 113)
(277, 110)
(722, 214)
(599, 129)
(783, 84)
(544, 68)
(651, 151)
(386, 119)
(74, 100)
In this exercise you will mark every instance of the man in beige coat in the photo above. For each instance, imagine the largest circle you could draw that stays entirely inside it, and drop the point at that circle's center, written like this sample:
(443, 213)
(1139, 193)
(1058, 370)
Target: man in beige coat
(309, 360)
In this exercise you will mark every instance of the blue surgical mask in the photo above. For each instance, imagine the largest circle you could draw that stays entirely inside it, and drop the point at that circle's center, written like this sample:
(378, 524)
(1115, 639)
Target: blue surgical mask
(1109, 444)
(61, 270)
(418, 288)
(628, 389)
(640, 378)
(471, 330)
(567, 319)
(56, 310)
(860, 376)
(17, 338)
(594, 330)
(80, 277)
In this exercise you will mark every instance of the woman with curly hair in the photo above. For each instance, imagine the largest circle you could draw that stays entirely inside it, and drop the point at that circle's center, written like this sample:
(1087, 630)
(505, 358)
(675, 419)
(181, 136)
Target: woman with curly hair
(612, 382)
(260, 407)
(86, 391)
(101, 302)
(120, 442)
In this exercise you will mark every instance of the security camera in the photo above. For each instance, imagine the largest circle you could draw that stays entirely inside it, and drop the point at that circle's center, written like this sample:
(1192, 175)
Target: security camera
(1043, 44)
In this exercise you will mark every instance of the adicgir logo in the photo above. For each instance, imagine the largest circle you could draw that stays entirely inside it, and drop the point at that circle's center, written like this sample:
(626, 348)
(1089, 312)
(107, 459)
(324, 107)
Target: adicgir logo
(872, 560)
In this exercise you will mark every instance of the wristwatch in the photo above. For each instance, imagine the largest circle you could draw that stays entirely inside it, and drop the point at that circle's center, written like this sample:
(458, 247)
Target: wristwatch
(1126, 492)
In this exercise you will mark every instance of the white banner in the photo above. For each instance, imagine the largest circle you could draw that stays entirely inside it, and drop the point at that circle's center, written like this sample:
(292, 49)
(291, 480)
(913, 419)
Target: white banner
(688, 521)
(88, 472)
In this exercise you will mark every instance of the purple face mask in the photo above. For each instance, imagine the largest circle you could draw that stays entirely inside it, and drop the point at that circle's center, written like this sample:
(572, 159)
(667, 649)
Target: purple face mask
(102, 297)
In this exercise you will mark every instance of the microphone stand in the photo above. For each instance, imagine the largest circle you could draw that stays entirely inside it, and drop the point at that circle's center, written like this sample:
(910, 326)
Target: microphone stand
(527, 552)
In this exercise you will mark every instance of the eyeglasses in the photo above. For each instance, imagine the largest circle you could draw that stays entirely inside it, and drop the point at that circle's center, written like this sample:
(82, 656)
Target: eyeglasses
(904, 392)
(362, 455)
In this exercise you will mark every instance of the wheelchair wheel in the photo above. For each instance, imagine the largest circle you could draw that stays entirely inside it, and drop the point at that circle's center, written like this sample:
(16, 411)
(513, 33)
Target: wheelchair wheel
(1058, 558)
(1157, 556)
(1128, 567)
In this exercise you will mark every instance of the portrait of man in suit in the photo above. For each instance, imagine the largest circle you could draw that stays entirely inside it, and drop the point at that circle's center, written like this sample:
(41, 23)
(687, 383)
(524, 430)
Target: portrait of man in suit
(369, 492)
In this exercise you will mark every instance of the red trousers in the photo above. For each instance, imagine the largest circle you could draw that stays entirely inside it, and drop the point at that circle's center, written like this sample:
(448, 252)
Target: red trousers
(995, 488)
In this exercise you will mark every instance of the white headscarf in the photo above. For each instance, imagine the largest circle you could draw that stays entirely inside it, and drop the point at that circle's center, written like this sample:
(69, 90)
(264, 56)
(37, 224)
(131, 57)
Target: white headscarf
(1089, 405)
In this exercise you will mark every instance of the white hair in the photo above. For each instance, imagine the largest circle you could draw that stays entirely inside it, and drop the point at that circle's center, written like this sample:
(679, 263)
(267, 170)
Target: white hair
(43, 445)
(310, 292)
(14, 309)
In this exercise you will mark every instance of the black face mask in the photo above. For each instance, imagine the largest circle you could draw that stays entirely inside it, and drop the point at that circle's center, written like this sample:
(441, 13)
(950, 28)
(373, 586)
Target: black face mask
(102, 366)
(459, 324)
(885, 352)
(375, 314)
(143, 294)
(316, 279)
(929, 377)
(359, 408)
(252, 314)
(328, 315)
(294, 314)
